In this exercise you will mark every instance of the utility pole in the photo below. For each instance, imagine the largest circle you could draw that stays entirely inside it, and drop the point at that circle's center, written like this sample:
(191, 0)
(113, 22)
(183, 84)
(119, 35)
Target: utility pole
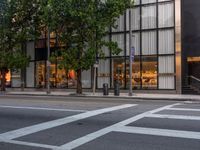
(48, 62)
(130, 54)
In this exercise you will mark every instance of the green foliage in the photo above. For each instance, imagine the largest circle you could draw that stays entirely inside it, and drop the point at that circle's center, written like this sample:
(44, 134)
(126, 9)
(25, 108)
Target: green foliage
(19, 21)
(82, 26)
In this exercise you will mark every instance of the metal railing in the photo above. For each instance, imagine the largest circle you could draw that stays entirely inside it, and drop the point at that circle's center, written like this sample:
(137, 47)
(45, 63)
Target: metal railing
(194, 82)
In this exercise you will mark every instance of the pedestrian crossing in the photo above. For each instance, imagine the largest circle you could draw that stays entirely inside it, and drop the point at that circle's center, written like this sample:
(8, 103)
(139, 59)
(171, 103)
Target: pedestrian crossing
(170, 112)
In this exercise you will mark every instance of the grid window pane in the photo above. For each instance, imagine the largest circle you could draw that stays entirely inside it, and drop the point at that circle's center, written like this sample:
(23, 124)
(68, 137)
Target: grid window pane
(118, 71)
(103, 75)
(149, 72)
(86, 79)
(136, 73)
(163, 0)
(30, 75)
(105, 49)
(166, 64)
(148, 1)
(166, 42)
(149, 43)
(119, 38)
(166, 15)
(136, 2)
(166, 82)
(149, 17)
(30, 51)
(135, 22)
(119, 24)
(135, 43)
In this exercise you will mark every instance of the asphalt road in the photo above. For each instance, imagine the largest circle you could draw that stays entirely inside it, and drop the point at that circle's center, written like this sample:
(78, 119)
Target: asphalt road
(59, 123)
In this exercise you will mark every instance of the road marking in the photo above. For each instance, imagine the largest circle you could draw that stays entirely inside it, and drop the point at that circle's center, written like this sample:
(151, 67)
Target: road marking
(41, 108)
(51, 124)
(30, 144)
(183, 109)
(174, 117)
(92, 136)
(160, 132)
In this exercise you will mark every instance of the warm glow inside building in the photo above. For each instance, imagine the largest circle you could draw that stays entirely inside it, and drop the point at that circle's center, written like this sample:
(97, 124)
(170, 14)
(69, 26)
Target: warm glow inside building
(166, 37)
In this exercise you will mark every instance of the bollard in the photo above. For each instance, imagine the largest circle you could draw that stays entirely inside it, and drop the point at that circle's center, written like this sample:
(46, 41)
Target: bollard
(105, 89)
(116, 88)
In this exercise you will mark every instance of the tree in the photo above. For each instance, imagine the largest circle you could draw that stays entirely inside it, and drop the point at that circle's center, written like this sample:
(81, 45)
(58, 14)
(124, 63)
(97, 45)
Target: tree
(19, 18)
(82, 26)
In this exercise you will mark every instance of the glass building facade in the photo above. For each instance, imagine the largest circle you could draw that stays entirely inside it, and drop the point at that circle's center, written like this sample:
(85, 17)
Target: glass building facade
(156, 38)
(153, 30)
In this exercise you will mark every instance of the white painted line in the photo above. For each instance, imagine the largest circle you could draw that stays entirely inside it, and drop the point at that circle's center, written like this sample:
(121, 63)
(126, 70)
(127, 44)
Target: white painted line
(174, 117)
(92, 136)
(183, 109)
(51, 124)
(41, 108)
(140, 116)
(160, 132)
(30, 144)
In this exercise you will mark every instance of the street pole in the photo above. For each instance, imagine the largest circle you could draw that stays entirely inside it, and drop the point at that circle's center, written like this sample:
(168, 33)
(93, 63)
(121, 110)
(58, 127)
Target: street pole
(94, 81)
(48, 63)
(130, 54)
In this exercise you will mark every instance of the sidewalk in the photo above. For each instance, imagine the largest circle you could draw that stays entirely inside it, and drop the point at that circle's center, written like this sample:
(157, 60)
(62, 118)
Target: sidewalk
(111, 95)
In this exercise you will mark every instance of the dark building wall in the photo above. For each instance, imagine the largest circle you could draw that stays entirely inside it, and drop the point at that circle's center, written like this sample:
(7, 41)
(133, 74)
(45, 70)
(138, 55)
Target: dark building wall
(190, 33)
(191, 27)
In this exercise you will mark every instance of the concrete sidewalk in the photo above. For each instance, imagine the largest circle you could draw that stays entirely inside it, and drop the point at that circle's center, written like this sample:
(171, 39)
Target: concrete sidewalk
(111, 95)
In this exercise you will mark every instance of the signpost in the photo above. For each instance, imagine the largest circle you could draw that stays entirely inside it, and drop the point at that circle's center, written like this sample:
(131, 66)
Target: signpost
(133, 53)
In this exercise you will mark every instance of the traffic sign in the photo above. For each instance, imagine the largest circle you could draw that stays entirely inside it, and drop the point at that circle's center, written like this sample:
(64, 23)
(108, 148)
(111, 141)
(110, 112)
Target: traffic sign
(132, 53)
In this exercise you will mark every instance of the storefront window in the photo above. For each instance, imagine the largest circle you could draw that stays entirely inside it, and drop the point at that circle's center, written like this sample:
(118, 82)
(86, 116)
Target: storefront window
(8, 79)
(40, 74)
(61, 78)
(136, 74)
(119, 71)
(72, 79)
(103, 74)
(66, 80)
(52, 78)
(149, 72)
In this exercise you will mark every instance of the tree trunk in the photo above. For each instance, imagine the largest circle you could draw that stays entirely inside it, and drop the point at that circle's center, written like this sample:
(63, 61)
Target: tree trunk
(3, 79)
(79, 83)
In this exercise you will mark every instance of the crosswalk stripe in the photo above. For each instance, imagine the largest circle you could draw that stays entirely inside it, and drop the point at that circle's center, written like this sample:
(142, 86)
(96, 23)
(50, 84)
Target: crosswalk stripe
(41, 108)
(174, 117)
(159, 132)
(183, 109)
(92, 136)
(30, 144)
(51, 124)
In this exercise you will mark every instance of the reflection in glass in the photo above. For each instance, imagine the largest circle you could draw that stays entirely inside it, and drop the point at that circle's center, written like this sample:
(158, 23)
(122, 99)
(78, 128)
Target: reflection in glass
(40, 74)
(103, 75)
(66, 80)
(119, 71)
(149, 17)
(52, 75)
(149, 72)
(8, 79)
(136, 77)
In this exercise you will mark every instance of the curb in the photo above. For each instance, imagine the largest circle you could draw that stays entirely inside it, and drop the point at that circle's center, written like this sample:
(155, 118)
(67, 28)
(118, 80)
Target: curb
(106, 97)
